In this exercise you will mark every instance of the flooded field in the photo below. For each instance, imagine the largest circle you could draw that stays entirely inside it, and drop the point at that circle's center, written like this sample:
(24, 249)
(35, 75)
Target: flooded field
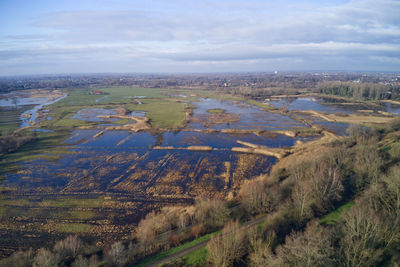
(100, 183)
(21, 108)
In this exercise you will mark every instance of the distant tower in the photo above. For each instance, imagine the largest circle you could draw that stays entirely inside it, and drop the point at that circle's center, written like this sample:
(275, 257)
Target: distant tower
(276, 72)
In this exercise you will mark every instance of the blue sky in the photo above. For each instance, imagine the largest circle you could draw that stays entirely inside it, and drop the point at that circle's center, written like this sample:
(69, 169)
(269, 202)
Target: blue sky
(47, 37)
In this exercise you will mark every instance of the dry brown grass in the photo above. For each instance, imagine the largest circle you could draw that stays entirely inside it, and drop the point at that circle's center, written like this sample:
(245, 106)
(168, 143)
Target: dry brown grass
(350, 118)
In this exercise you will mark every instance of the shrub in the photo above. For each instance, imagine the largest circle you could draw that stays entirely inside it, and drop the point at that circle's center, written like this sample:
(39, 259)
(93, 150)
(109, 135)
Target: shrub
(198, 230)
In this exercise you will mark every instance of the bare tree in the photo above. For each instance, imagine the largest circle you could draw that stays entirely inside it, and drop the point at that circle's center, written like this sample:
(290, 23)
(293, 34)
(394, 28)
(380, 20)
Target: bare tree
(309, 248)
(81, 262)
(326, 179)
(258, 198)
(362, 239)
(116, 255)
(45, 258)
(225, 248)
(211, 213)
(302, 198)
(69, 247)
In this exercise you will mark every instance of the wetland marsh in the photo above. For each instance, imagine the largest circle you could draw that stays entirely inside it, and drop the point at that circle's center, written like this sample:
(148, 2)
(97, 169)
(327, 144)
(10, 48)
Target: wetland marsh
(101, 162)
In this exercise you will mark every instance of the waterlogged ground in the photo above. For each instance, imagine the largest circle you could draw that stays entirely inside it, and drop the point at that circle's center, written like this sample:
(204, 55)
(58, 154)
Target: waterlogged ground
(245, 116)
(100, 184)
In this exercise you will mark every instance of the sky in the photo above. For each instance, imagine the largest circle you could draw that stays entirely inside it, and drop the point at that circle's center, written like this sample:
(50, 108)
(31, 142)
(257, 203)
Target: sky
(182, 36)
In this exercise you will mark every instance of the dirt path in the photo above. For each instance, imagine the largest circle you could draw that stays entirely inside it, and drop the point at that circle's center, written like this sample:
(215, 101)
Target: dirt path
(199, 245)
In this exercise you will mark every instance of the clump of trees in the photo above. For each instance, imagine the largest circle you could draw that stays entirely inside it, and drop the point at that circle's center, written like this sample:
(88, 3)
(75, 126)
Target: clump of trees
(10, 142)
(374, 91)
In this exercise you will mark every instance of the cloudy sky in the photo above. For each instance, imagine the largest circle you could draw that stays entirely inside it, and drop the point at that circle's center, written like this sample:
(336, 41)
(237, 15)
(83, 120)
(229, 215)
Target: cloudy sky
(92, 36)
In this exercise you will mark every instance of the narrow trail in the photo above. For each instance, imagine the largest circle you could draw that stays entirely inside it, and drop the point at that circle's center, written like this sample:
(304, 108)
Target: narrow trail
(181, 253)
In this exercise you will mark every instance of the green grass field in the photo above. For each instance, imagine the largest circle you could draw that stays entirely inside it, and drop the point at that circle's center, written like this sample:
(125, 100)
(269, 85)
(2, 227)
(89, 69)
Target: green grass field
(163, 111)
(175, 250)
(195, 257)
(335, 215)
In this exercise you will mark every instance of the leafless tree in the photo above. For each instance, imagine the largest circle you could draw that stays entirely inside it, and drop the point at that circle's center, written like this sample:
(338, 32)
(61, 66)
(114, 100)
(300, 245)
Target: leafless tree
(259, 198)
(362, 237)
(116, 255)
(225, 248)
(309, 248)
(326, 180)
(45, 258)
(69, 247)
(211, 213)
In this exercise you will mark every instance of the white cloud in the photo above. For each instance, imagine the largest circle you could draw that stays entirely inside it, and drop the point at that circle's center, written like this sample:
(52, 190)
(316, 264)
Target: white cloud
(216, 33)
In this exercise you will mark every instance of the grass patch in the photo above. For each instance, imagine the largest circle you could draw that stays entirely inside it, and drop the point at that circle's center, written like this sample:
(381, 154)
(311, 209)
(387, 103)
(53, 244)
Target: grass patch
(332, 217)
(175, 250)
(163, 113)
(216, 111)
(116, 95)
(195, 257)
(258, 104)
(73, 227)
(73, 214)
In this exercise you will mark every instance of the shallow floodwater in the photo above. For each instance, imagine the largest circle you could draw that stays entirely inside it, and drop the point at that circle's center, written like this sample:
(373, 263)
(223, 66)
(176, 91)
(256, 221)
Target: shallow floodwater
(107, 158)
(125, 167)
(223, 140)
(392, 108)
(26, 121)
(308, 103)
(250, 117)
(91, 114)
